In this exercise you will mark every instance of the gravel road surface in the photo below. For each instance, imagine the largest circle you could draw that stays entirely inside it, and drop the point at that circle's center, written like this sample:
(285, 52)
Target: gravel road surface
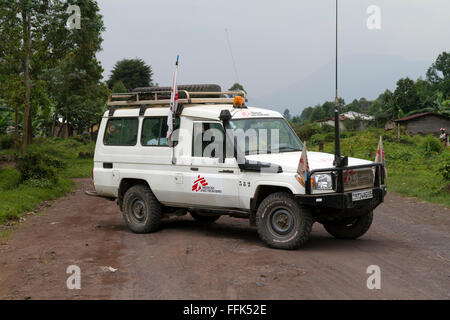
(409, 241)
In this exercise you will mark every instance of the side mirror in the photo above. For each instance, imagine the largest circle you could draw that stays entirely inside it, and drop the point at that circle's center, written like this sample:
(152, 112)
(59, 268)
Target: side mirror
(225, 117)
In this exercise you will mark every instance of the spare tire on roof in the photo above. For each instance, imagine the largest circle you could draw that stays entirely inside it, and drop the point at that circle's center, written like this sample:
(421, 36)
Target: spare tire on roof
(187, 87)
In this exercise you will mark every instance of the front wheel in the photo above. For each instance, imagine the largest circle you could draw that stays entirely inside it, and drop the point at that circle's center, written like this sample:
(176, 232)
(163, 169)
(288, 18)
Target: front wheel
(282, 222)
(350, 228)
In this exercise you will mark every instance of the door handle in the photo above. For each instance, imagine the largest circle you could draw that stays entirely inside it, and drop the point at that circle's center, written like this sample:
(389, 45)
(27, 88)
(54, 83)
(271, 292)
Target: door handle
(226, 171)
(107, 165)
(194, 169)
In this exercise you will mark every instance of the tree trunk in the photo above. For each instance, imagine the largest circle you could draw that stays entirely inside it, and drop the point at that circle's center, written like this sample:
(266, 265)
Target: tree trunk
(26, 134)
(16, 128)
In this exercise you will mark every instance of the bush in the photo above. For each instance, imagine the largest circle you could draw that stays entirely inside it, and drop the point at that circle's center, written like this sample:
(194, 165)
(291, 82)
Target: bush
(444, 170)
(306, 131)
(6, 141)
(9, 178)
(34, 165)
(85, 138)
(430, 146)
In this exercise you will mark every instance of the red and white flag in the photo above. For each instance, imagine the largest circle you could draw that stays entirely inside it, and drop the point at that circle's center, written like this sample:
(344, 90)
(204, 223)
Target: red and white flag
(379, 157)
(173, 103)
(303, 166)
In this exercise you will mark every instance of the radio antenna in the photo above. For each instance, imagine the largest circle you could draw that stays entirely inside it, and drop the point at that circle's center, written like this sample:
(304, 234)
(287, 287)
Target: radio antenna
(232, 57)
(337, 138)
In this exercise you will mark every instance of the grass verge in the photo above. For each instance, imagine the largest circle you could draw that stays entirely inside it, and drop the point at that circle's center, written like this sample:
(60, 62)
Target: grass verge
(417, 165)
(29, 194)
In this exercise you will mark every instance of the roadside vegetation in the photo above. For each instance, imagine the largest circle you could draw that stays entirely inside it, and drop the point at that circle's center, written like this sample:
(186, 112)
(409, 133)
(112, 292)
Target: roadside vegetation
(45, 172)
(417, 166)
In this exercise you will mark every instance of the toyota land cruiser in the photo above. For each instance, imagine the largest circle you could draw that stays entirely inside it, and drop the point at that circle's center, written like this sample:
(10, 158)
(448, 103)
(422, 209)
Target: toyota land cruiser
(225, 158)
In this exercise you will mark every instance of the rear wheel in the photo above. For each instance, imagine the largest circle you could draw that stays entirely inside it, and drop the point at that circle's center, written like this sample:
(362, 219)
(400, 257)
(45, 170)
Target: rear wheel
(204, 218)
(282, 222)
(350, 228)
(141, 210)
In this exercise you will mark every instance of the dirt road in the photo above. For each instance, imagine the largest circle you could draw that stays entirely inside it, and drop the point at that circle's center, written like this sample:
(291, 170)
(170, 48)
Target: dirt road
(409, 241)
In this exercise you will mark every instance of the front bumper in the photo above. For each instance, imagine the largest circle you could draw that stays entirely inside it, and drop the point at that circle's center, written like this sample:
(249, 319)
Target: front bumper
(343, 201)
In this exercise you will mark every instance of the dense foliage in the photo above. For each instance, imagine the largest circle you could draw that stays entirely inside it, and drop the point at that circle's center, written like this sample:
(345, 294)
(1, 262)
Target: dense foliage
(409, 97)
(48, 71)
(130, 73)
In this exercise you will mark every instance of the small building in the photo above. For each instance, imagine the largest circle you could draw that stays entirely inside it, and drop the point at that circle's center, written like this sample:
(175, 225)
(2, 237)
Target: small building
(361, 119)
(424, 123)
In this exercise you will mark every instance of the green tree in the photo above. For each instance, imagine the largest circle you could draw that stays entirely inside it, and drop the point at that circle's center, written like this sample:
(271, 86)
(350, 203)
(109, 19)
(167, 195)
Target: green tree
(118, 87)
(306, 113)
(317, 114)
(440, 69)
(35, 43)
(439, 73)
(328, 108)
(237, 86)
(406, 98)
(353, 106)
(287, 114)
(132, 72)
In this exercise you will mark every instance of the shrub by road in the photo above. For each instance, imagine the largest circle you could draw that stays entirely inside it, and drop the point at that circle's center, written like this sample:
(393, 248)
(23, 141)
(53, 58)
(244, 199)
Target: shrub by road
(44, 173)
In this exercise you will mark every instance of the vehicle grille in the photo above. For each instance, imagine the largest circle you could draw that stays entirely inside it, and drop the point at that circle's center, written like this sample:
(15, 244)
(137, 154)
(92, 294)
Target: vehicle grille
(358, 179)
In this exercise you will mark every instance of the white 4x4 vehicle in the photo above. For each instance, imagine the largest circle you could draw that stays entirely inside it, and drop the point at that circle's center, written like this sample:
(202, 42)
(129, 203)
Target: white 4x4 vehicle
(226, 159)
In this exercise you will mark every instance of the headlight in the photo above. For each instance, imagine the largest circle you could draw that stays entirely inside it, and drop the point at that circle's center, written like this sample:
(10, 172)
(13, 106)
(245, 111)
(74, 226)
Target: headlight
(323, 181)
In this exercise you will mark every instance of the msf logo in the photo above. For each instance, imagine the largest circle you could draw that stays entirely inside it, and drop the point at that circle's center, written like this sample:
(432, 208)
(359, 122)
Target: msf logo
(199, 183)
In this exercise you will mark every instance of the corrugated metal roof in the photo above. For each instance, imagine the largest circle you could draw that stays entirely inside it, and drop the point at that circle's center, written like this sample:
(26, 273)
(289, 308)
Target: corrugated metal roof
(419, 115)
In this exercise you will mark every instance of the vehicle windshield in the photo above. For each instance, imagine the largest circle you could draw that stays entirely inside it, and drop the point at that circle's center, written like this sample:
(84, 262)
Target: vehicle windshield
(265, 135)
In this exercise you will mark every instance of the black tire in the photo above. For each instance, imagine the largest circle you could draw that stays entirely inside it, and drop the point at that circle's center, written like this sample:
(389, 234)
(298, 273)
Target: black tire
(141, 210)
(204, 219)
(351, 228)
(282, 222)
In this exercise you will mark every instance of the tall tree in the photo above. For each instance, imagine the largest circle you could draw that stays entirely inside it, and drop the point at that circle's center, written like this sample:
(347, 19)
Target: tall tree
(132, 72)
(45, 43)
(405, 96)
(439, 74)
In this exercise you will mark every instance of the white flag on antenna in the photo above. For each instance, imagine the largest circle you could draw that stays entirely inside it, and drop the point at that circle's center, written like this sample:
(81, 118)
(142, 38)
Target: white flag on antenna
(173, 104)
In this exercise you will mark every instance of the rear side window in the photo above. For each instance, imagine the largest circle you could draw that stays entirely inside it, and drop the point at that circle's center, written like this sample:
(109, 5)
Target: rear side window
(121, 132)
(154, 131)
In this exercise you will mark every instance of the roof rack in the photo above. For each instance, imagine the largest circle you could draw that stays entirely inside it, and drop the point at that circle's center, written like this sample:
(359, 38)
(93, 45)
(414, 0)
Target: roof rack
(162, 98)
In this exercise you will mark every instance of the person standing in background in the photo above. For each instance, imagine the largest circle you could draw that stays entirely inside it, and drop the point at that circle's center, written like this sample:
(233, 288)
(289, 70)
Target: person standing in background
(444, 137)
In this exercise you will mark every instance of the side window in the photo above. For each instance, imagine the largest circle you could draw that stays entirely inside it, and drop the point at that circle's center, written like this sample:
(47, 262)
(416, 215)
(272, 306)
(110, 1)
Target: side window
(154, 131)
(208, 140)
(150, 132)
(121, 132)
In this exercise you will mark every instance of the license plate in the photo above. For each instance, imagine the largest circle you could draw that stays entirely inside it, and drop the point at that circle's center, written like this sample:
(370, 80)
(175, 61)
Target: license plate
(362, 195)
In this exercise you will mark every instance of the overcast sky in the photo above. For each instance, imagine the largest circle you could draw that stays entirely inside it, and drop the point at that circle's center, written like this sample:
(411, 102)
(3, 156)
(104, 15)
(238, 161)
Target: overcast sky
(275, 43)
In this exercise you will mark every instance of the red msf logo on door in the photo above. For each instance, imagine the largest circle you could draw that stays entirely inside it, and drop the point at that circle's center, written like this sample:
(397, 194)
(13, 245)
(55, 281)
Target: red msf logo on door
(199, 183)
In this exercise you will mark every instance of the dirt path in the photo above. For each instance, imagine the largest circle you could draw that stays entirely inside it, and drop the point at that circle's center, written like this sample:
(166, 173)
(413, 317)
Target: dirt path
(409, 241)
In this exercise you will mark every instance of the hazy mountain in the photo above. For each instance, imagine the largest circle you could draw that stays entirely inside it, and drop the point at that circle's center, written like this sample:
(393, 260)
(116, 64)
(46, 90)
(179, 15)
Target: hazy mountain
(359, 76)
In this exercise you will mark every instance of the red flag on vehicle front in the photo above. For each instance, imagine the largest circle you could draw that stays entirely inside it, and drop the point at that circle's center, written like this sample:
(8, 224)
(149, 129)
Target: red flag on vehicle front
(379, 157)
(303, 166)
